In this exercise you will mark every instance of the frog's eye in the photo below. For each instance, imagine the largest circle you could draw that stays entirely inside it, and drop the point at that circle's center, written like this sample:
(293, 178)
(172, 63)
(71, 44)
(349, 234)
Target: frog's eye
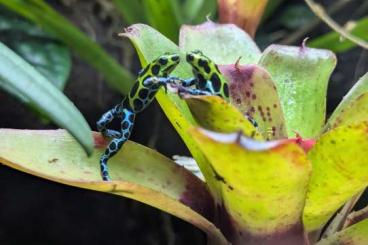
(190, 57)
(163, 61)
(175, 58)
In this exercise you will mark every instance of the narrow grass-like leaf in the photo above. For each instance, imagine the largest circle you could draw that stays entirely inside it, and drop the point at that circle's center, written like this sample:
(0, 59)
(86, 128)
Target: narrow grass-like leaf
(354, 106)
(354, 235)
(17, 76)
(164, 15)
(301, 75)
(263, 186)
(334, 42)
(57, 25)
(254, 93)
(208, 9)
(131, 10)
(214, 113)
(139, 173)
(50, 57)
(224, 44)
(340, 171)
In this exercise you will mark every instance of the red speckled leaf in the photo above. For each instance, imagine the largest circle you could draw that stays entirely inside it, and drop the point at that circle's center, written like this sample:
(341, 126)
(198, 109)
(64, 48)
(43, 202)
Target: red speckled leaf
(138, 172)
(254, 93)
(301, 76)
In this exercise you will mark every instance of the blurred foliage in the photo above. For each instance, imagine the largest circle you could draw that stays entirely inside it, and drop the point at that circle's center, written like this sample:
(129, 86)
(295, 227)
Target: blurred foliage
(48, 55)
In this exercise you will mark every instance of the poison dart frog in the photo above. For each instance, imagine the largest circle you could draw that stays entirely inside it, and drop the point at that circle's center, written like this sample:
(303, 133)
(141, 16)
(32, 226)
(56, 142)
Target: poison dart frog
(208, 80)
(150, 79)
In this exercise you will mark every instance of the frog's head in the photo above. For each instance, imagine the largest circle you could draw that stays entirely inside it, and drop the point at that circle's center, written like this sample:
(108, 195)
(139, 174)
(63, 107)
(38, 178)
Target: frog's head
(201, 64)
(165, 64)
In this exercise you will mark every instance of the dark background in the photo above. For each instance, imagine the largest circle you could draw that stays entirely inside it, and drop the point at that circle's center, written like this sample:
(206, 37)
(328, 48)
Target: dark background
(37, 211)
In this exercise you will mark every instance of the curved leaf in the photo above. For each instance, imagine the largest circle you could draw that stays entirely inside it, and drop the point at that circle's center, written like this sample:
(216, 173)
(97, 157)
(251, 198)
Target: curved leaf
(150, 44)
(214, 113)
(340, 171)
(353, 108)
(17, 76)
(263, 185)
(140, 173)
(244, 13)
(301, 75)
(354, 235)
(224, 44)
(254, 93)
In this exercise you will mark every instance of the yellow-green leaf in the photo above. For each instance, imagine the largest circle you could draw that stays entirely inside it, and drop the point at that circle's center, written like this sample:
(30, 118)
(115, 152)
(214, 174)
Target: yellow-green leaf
(353, 235)
(263, 186)
(354, 106)
(224, 44)
(214, 113)
(254, 93)
(340, 171)
(301, 75)
(139, 173)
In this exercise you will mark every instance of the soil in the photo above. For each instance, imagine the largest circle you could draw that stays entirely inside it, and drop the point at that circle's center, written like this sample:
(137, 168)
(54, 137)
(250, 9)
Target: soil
(36, 211)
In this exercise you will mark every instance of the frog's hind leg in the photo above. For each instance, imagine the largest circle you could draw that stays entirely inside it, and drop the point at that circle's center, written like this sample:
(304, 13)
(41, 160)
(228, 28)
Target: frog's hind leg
(127, 121)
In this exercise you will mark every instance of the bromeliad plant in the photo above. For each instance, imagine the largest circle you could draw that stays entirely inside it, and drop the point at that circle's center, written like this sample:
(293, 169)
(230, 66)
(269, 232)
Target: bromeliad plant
(262, 186)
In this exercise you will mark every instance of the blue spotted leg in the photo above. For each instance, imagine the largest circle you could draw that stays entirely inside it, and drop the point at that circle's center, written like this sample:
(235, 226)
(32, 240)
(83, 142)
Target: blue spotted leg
(119, 138)
(150, 79)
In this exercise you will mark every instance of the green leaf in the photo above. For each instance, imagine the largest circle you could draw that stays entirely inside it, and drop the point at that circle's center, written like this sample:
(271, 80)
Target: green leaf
(353, 108)
(334, 42)
(57, 25)
(301, 75)
(17, 76)
(224, 44)
(164, 15)
(49, 57)
(340, 171)
(139, 173)
(195, 11)
(263, 185)
(354, 235)
(213, 113)
(150, 44)
(130, 10)
(254, 93)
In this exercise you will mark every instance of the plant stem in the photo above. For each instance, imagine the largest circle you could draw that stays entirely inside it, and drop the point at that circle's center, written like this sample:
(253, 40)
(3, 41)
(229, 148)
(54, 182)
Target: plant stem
(321, 13)
(339, 220)
(300, 33)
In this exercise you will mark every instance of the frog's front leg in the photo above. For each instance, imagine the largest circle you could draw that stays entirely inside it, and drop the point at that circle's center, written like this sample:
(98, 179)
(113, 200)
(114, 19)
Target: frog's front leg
(192, 91)
(106, 119)
(127, 122)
